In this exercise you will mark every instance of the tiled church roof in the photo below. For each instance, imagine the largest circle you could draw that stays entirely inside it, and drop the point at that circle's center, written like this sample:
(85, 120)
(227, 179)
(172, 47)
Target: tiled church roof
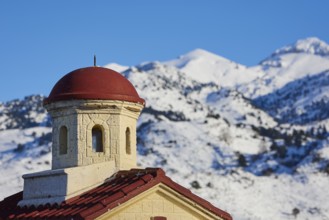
(117, 190)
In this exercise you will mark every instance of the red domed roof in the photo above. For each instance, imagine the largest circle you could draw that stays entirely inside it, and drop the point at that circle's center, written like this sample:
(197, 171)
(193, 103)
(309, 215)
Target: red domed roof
(94, 83)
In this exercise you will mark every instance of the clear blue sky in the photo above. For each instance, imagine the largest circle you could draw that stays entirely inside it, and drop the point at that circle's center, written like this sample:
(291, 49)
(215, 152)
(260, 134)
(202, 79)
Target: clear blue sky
(40, 40)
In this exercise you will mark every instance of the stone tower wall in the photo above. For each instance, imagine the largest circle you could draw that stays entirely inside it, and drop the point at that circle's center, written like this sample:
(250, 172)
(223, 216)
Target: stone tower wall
(80, 116)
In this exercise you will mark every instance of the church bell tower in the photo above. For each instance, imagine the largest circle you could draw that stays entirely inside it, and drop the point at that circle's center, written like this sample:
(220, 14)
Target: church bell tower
(94, 112)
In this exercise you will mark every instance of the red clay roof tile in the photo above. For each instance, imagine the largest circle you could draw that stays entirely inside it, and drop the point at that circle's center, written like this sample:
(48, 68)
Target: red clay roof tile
(118, 189)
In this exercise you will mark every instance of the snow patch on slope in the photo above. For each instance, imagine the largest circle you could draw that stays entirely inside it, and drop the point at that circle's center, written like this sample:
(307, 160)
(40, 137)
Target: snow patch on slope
(21, 152)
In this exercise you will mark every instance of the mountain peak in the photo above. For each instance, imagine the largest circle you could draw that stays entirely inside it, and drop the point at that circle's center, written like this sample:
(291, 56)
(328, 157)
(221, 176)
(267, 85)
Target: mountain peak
(116, 67)
(199, 56)
(199, 53)
(311, 45)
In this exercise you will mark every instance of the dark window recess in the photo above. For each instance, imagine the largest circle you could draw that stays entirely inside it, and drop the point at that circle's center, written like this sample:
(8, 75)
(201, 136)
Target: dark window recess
(97, 139)
(128, 147)
(159, 218)
(63, 140)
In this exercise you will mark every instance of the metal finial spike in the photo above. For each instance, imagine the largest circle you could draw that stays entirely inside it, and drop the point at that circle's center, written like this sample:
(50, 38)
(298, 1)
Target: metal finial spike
(94, 60)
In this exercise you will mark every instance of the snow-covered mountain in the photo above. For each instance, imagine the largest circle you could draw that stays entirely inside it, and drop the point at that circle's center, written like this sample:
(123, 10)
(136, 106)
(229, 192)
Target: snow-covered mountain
(301, 101)
(304, 58)
(252, 140)
(205, 67)
(311, 45)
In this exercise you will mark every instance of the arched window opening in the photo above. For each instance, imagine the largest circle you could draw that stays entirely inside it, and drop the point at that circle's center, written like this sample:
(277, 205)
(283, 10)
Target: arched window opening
(97, 139)
(128, 145)
(63, 140)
